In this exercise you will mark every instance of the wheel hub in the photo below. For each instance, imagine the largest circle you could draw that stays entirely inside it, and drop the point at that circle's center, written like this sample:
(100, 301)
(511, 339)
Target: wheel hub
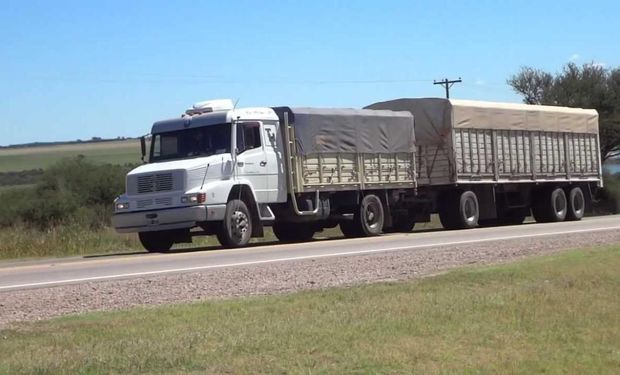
(371, 216)
(239, 223)
(469, 210)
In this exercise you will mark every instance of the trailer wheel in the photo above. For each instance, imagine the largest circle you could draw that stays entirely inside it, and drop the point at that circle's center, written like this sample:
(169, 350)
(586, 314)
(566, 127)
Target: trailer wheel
(293, 232)
(550, 205)
(368, 219)
(236, 229)
(459, 210)
(576, 204)
(156, 242)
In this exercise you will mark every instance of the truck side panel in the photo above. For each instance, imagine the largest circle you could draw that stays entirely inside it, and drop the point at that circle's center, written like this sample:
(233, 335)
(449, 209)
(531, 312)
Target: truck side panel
(434, 164)
(461, 142)
(499, 155)
(354, 171)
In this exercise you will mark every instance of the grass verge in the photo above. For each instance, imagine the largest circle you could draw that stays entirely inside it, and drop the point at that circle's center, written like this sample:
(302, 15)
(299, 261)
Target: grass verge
(555, 314)
(21, 242)
(24, 242)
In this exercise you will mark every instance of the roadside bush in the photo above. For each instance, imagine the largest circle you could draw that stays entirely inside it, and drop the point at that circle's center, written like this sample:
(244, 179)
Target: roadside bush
(20, 178)
(72, 190)
(609, 196)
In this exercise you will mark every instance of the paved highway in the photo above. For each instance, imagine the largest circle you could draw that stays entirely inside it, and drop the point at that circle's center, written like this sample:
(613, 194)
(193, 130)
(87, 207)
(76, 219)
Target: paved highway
(38, 274)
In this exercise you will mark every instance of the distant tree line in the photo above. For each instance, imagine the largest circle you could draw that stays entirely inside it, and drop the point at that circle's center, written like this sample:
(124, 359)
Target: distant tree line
(61, 143)
(588, 86)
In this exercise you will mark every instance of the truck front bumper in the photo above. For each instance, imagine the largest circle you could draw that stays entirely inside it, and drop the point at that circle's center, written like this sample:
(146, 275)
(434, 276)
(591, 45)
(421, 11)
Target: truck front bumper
(172, 218)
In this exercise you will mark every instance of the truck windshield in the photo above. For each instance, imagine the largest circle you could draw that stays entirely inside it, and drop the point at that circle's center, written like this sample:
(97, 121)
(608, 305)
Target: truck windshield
(188, 143)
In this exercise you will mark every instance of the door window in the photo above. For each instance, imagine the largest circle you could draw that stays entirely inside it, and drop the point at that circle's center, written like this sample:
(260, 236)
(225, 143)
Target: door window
(248, 136)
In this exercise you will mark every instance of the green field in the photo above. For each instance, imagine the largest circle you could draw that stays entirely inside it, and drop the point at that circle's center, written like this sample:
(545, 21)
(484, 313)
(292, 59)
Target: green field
(113, 152)
(553, 315)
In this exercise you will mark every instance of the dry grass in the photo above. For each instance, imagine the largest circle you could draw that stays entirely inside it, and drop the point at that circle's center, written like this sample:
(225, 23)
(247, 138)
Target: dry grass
(21, 242)
(554, 315)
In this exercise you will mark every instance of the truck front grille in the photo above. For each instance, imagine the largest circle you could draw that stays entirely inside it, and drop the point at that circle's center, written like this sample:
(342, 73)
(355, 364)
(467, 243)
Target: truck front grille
(154, 203)
(154, 183)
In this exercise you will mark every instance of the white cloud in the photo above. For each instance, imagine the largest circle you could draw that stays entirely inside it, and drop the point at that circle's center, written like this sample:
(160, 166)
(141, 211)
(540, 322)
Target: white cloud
(479, 82)
(574, 57)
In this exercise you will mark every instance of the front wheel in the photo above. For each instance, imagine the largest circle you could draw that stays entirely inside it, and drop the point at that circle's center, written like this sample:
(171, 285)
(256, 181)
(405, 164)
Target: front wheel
(156, 242)
(236, 229)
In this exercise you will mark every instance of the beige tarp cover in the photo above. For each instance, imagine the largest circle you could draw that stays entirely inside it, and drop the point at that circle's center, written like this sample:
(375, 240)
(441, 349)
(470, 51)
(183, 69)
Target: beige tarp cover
(435, 117)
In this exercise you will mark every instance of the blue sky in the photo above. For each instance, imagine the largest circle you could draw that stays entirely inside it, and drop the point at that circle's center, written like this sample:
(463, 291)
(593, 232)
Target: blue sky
(78, 69)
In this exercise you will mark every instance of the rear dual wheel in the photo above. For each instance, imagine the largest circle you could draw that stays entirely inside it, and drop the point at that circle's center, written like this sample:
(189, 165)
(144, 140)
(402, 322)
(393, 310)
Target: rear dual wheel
(459, 209)
(576, 204)
(550, 205)
(293, 232)
(401, 224)
(367, 220)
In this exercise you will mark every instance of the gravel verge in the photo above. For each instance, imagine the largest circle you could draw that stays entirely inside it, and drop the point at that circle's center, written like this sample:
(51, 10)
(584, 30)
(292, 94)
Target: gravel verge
(275, 278)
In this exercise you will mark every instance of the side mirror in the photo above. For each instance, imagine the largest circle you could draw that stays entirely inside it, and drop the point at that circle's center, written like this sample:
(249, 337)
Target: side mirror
(143, 147)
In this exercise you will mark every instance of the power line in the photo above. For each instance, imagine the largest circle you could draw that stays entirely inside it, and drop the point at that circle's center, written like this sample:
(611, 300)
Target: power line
(447, 84)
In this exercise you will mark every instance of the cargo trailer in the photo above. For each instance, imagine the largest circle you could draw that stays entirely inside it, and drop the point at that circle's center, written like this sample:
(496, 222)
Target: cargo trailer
(508, 159)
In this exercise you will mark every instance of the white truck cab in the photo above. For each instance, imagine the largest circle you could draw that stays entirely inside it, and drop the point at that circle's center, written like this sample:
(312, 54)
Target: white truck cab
(197, 165)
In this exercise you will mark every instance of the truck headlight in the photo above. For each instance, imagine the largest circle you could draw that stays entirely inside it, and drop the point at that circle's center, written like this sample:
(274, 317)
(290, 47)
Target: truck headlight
(194, 198)
(121, 206)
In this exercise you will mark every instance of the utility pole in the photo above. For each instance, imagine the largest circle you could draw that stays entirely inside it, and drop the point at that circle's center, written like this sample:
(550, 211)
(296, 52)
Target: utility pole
(447, 84)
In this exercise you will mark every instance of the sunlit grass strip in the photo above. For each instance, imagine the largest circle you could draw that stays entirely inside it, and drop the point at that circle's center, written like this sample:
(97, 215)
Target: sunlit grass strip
(556, 314)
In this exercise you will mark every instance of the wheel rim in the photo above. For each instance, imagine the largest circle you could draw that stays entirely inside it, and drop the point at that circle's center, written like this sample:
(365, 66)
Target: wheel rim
(470, 210)
(372, 215)
(578, 203)
(238, 225)
(560, 204)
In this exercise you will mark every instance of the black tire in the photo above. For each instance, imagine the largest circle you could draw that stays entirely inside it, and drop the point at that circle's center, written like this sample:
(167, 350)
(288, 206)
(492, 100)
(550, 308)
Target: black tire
(550, 205)
(576, 204)
(401, 224)
(516, 219)
(510, 218)
(459, 210)
(293, 232)
(371, 215)
(350, 228)
(368, 219)
(236, 229)
(156, 242)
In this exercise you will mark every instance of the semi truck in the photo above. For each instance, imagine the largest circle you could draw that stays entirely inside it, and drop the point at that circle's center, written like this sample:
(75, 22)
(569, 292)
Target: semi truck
(232, 172)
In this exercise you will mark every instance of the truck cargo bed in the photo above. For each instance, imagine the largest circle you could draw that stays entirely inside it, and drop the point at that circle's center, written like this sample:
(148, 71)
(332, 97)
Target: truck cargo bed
(479, 142)
(348, 149)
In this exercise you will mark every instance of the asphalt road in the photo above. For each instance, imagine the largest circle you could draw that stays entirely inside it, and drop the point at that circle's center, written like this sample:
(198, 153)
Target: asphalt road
(46, 273)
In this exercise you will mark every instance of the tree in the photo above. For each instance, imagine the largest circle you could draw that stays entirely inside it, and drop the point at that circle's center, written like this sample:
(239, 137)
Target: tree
(588, 86)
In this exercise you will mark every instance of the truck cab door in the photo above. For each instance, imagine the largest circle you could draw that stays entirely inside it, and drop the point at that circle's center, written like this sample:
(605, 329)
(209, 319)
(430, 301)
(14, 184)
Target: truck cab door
(251, 160)
(276, 180)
